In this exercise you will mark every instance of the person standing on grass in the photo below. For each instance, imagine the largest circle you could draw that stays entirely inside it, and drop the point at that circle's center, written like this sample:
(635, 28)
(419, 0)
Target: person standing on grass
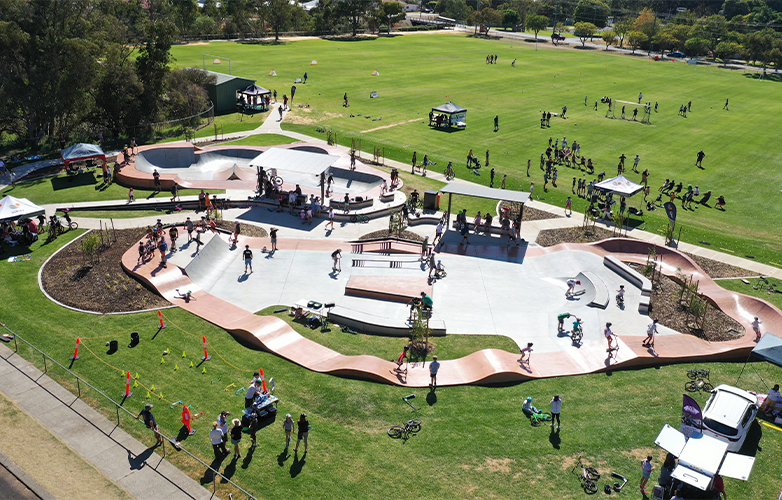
(756, 328)
(149, 421)
(236, 436)
(699, 160)
(415, 158)
(650, 331)
(434, 367)
(496, 124)
(303, 426)
(556, 406)
(640, 96)
(529, 163)
(726, 104)
(504, 178)
(646, 472)
(247, 254)
(287, 426)
(487, 157)
(216, 438)
(491, 178)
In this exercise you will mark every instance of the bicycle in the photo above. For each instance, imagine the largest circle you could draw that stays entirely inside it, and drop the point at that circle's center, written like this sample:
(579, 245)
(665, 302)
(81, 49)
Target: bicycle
(359, 218)
(577, 333)
(698, 385)
(588, 477)
(412, 426)
(699, 373)
(449, 172)
(536, 419)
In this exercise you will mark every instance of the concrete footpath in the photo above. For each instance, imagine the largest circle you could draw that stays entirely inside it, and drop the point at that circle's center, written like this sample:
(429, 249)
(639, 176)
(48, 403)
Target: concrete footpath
(124, 460)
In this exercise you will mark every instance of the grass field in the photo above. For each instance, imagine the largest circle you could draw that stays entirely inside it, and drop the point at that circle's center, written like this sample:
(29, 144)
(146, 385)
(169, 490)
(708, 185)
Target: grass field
(418, 72)
(475, 441)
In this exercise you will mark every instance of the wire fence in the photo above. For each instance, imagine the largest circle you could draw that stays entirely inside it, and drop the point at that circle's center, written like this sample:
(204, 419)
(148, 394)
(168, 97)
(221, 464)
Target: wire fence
(81, 384)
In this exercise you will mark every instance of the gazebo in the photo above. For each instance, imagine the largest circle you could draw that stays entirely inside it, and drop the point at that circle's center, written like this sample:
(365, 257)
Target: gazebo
(478, 191)
(256, 97)
(448, 115)
(81, 151)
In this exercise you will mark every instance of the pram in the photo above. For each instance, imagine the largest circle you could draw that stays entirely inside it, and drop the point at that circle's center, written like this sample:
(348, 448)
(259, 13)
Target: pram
(473, 160)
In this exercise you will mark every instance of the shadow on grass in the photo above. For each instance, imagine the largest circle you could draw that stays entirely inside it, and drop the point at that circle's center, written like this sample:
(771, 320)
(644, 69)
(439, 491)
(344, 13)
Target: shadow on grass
(230, 470)
(584, 47)
(69, 181)
(263, 42)
(298, 464)
(554, 438)
(751, 445)
(209, 474)
(350, 38)
(768, 76)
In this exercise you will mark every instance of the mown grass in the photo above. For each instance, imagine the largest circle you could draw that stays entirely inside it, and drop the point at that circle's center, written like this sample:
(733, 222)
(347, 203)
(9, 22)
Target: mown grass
(475, 441)
(418, 72)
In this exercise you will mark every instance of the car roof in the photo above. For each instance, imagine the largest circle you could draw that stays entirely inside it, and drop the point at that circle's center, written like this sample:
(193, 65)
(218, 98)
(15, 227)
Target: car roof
(729, 404)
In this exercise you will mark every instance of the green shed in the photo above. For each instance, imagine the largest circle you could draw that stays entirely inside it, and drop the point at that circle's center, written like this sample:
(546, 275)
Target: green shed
(223, 92)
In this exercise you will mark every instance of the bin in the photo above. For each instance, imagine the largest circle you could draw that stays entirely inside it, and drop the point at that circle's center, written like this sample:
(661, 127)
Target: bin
(431, 200)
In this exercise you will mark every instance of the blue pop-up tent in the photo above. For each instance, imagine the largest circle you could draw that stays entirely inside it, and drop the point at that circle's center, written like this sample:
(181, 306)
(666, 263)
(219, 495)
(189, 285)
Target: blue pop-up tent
(81, 151)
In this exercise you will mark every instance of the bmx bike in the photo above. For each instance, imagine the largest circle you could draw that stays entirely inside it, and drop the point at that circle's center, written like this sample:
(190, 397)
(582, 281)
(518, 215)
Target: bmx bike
(411, 427)
(577, 334)
(536, 419)
(588, 477)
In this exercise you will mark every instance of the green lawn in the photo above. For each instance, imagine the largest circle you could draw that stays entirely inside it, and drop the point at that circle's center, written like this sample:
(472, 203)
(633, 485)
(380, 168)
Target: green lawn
(442, 67)
(85, 187)
(474, 442)
(263, 140)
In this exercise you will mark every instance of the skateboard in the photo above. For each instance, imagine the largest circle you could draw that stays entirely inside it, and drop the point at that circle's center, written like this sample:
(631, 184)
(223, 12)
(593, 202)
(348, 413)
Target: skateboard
(612, 352)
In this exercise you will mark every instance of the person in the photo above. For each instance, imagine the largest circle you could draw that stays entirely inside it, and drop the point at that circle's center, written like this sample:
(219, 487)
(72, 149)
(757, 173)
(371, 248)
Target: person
(331, 218)
(756, 328)
(434, 367)
(623, 111)
(526, 353)
(190, 227)
(345, 100)
(504, 179)
(163, 248)
(513, 64)
(424, 248)
(438, 233)
(222, 421)
(666, 469)
(207, 203)
(561, 321)
(529, 164)
(173, 234)
(699, 160)
(497, 121)
(175, 192)
(609, 335)
(718, 487)
(571, 286)
(635, 164)
(336, 255)
(650, 331)
(247, 254)
(133, 146)
(491, 177)
(487, 157)
(646, 472)
(280, 111)
(352, 159)
(556, 406)
(528, 408)
(401, 358)
(149, 421)
(131, 197)
(726, 104)
(640, 96)
(689, 106)
(216, 438)
(568, 205)
(635, 113)
(720, 202)
(465, 232)
(303, 426)
(677, 495)
(156, 177)
(201, 200)
(252, 390)
(236, 436)
(273, 236)
(237, 232)
(772, 400)
(432, 265)
(287, 426)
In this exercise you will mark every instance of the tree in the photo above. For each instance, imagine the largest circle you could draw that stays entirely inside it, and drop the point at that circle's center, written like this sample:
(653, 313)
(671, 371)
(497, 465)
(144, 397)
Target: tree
(117, 105)
(696, 46)
(636, 39)
(713, 29)
(187, 95)
(622, 28)
(152, 65)
(185, 12)
(733, 8)
(325, 16)
(726, 50)
(278, 12)
(454, 9)
(203, 25)
(585, 31)
(664, 41)
(591, 11)
(646, 23)
(355, 11)
(510, 18)
(389, 13)
(525, 8)
(609, 37)
(536, 23)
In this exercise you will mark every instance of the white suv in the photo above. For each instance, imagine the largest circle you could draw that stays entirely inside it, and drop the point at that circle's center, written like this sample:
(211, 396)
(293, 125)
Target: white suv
(728, 414)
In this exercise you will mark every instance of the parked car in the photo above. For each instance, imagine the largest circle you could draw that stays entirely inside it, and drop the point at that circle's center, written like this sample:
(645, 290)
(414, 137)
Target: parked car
(677, 55)
(728, 414)
(557, 37)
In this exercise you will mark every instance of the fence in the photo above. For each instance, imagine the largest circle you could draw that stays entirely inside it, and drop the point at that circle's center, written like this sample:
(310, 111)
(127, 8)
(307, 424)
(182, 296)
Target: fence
(48, 360)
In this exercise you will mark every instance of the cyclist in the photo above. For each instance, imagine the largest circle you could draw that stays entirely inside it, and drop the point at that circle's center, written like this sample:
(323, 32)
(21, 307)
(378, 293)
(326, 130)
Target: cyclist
(527, 407)
(439, 270)
(577, 325)
(620, 295)
(449, 170)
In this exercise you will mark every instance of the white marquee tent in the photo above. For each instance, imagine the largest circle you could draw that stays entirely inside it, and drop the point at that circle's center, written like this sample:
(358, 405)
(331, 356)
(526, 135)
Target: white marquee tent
(620, 186)
(15, 208)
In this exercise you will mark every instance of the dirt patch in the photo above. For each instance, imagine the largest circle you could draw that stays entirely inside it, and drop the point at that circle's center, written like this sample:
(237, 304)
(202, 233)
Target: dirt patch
(717, 269)
(246, 229)
(641, 453)
(102, 285)
(297, 119)
(496, 465)
(551, 237)
(385, 233)
(390, 125)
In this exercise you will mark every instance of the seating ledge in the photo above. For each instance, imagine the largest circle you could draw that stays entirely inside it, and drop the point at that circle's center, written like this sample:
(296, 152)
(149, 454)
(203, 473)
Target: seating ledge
(377, 325)
(630, 274)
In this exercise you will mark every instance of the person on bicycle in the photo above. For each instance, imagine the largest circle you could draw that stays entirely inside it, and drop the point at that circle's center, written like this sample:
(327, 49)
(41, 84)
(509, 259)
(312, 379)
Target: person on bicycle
(449, 170)
(620, 295)
(440, 270)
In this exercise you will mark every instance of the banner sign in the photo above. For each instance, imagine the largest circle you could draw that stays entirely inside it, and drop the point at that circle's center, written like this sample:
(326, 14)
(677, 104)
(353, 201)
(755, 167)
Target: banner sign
(692, 419)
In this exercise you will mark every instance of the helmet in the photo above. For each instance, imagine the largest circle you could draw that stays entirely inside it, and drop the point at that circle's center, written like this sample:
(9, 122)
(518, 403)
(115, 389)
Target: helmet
(578, 282)
(529, 398)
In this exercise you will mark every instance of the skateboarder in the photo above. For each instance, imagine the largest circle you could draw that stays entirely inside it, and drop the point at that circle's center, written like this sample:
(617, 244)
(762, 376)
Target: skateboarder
(526, 353)
(571, 287)
(756, 328)
(336, 255)
(650, 331)
(609, 337)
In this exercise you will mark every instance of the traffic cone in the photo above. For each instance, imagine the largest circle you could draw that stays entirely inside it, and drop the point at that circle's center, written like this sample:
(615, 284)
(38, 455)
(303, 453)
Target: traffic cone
(76, 351)
(160, 317)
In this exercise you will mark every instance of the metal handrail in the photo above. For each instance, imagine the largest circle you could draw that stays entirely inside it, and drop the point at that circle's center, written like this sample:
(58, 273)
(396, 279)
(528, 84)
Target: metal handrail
(119, 406)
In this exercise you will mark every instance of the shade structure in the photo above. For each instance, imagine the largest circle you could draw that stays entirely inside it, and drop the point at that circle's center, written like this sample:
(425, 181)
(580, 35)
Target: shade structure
(255, 90)
(16, 208)
(457, 115)
(769, 348)
(479, 191)
(294, 161)
(81, 151)
(620, 186)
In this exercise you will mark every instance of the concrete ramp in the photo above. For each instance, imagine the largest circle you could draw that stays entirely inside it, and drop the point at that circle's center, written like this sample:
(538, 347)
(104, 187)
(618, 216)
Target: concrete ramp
(210, 264)
(235, 172)
(163, 158)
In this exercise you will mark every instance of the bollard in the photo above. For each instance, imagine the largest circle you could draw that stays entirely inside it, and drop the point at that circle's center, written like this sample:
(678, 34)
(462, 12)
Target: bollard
(127, 393)
(206, 357)
(263, 380)
(76, 351)
(160, 317)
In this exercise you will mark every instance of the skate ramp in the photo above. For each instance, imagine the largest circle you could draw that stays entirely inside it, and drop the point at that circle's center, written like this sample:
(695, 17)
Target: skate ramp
(211, 262)
(179, 157)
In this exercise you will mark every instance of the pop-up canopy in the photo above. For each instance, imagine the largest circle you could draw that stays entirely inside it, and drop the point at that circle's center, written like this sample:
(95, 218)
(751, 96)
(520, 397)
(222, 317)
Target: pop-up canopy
(16, 208)
(457, 114)
(255, 90)
(620, 186)
(81, 151)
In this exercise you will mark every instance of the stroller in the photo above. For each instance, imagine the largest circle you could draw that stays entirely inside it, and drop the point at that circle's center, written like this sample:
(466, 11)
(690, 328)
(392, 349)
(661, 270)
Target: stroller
(474, 161)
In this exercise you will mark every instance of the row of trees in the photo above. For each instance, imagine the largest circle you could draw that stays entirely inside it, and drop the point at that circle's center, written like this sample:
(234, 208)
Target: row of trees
(73, 67)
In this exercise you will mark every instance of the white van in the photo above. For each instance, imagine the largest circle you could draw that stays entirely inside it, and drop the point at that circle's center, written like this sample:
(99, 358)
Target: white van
(728, 414)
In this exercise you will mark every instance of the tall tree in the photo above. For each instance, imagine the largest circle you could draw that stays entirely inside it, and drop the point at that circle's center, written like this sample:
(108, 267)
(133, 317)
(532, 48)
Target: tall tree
(585, 31)
(592, 11)
(355, 11)
(636, 39)
(279, 14)
(388, 13)
(609, 37)
(185, 12)
(325, 17)
(622, 28)
(536, 23)
(152, 65)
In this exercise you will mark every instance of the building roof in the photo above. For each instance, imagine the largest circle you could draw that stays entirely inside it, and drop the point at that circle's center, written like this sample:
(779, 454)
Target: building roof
(294, 160)
(223, 78)
(485, 192)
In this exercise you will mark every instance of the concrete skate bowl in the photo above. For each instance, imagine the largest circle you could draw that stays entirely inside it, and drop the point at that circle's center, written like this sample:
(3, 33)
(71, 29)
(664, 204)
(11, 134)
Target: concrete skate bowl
(487, 366)
(191, 166)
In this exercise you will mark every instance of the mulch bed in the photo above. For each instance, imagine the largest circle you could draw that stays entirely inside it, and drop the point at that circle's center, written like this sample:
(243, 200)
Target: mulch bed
(385, 233)
(103, 286)
(247, 229)
(551, 237)
(717, 269)
(529, 212)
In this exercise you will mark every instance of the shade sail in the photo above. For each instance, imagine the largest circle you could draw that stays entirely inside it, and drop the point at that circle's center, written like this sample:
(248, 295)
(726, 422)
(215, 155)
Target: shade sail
(449, 108)
(620, 185)
(81, 151)
(15, 208)
(294, 161)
